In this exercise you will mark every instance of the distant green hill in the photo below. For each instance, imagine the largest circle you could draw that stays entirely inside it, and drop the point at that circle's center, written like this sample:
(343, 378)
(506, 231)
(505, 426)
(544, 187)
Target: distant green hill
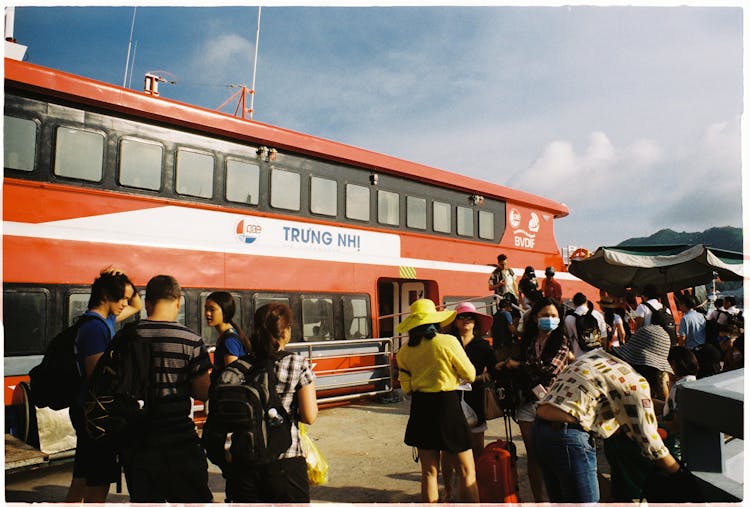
(726, 238)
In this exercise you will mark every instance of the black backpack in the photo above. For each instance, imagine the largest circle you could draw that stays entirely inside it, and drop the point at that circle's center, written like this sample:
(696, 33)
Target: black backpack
(663, 318)
(588, 334)
(733, 320)
(246, 423)
(117, 397)
(56, 381)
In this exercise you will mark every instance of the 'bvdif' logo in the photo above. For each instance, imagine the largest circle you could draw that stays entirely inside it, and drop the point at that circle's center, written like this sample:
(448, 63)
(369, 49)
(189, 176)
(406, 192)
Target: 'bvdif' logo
(248, 232)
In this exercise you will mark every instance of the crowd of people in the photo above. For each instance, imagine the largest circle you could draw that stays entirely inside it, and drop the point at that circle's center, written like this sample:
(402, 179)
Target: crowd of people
(581, 374)
(167, 463)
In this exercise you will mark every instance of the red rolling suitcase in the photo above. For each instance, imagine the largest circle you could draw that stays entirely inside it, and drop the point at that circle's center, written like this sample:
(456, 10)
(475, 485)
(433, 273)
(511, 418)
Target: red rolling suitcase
(497, 475)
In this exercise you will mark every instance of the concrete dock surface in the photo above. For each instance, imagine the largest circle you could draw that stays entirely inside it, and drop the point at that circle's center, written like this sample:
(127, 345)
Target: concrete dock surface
(362, 441)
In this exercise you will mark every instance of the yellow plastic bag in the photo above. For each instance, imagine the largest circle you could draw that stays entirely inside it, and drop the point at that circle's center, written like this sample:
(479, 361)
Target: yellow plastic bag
(317, 466)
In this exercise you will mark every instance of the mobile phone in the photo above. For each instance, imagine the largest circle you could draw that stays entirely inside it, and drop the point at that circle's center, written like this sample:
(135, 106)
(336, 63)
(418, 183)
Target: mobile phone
(539, 391)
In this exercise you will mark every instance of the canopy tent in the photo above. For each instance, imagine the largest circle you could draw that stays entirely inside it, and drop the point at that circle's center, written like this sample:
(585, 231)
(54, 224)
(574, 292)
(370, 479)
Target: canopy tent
(668, 268)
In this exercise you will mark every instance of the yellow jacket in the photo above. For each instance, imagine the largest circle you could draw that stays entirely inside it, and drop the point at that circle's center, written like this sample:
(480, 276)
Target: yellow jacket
(434, 365)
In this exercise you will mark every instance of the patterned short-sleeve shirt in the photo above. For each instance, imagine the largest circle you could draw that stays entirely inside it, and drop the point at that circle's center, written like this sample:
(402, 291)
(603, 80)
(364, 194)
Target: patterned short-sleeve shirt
(293, 372)
(605, 394)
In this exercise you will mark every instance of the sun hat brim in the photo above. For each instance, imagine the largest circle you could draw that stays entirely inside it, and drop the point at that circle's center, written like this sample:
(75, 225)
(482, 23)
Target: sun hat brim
(444, 318)
(649, 346)
(483, 320)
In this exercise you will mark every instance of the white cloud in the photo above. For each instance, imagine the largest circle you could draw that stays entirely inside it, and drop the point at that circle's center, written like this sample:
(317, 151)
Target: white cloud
(617, 192)
(218, 57)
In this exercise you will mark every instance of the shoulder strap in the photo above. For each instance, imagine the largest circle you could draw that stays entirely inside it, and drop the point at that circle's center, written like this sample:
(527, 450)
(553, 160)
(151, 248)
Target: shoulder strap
(242, 365)
(653, 310)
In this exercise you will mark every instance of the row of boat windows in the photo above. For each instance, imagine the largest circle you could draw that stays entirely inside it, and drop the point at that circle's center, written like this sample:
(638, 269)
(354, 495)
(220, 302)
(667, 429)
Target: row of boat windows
(79, 155)
(320, 317)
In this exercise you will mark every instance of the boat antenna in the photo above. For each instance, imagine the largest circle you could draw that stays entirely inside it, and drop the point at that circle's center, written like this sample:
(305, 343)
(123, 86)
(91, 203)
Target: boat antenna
(130, 43)
(255, 63)
(243, 92)
(132, 65)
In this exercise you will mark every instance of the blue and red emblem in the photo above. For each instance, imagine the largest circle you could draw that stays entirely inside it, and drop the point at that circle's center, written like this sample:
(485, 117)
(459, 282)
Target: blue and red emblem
(248, 232)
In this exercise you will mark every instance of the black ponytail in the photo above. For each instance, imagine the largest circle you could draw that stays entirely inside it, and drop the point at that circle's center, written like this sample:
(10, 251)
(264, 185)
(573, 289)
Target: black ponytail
(416, 334)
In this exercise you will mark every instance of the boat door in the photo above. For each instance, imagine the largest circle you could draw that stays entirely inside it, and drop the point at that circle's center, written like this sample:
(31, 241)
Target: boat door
(395, 296)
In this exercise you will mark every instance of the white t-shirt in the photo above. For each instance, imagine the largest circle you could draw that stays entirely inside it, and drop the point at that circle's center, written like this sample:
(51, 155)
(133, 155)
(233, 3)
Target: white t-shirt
(570, 328)
(722, 315)
(671, 403)
(643, 311)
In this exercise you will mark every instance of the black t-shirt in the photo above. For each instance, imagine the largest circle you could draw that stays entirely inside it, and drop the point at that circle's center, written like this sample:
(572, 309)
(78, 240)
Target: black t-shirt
(481, 356)
(527, 285)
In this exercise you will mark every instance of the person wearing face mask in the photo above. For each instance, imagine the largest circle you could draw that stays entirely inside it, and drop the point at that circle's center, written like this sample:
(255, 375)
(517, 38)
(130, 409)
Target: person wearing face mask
(544, 351)
(604, 394)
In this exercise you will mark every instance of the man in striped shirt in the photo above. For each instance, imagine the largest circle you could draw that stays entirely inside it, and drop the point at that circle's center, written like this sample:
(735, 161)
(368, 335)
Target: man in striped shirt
(166, 463)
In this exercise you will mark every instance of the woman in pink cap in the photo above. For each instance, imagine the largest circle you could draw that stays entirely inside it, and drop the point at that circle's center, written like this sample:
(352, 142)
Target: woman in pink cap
(469, 327)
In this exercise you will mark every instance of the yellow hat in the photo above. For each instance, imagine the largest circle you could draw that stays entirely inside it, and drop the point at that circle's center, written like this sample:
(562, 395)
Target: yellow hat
(423, 312)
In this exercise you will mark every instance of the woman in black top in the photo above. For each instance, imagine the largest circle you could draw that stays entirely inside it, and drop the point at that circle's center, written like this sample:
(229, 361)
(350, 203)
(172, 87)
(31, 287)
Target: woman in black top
(469, 327)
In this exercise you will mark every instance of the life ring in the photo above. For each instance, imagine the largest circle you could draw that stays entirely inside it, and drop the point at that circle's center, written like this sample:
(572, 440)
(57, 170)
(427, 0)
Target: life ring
(580, 253)
(26, 423)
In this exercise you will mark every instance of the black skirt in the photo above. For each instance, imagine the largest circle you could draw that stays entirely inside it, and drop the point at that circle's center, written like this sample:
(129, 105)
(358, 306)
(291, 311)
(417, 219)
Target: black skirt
(436, 422)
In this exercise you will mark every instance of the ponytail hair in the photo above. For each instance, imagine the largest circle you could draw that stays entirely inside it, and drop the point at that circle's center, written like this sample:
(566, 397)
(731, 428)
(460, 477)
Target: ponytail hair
(268, 327)
(416, 334)
(225, 301)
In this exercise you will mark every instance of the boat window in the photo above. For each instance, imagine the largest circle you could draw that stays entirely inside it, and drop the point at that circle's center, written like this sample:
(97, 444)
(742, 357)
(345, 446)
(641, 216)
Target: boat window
(317, 319)
(140, 163)
(387, 207)
(264, 299)
(486, 225)
(356, 322)
(208, 333)
(285, 189)
(464, 221)
(323, 196)
(243, 182)
(195, 173)
(19, 142)
(25, 321)
(79, 154)
(441, 217)
(357, 202)
(416, 212)
(78, 304)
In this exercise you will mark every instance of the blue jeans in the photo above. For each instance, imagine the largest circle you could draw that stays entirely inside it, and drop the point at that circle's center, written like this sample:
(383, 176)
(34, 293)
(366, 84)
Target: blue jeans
(567, 457)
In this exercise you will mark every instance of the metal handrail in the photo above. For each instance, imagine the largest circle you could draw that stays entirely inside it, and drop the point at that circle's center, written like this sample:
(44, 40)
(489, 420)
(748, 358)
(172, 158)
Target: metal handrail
(351, 369)
(377, 369)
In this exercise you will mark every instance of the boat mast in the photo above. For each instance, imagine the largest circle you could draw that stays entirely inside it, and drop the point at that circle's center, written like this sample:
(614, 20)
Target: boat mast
(130, 43)
(255, 63)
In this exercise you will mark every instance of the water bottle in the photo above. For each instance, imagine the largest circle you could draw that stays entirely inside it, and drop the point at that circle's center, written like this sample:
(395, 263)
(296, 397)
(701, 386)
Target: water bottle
(274, 418)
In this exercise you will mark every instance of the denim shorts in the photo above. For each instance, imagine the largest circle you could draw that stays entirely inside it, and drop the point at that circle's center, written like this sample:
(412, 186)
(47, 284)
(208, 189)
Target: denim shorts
(567, 456)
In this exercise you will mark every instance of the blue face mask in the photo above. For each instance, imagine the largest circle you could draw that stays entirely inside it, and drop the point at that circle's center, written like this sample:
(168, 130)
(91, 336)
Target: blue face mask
(548, 323)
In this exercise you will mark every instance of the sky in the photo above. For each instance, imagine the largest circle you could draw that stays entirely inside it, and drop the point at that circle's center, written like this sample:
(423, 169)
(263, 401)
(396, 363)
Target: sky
(630, 115)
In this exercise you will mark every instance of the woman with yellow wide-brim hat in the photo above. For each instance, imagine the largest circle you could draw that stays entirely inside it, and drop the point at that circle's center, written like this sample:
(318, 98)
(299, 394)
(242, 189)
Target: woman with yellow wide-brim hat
(431, 367)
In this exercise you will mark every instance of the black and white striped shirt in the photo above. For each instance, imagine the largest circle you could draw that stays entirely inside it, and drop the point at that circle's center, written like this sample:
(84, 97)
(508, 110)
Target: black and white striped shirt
(178, 356)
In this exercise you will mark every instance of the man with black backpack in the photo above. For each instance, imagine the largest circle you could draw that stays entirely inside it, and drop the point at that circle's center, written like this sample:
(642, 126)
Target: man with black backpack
(652, 311)
(584, 326)
(164, 461)
(730, 315)
(113, 299)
